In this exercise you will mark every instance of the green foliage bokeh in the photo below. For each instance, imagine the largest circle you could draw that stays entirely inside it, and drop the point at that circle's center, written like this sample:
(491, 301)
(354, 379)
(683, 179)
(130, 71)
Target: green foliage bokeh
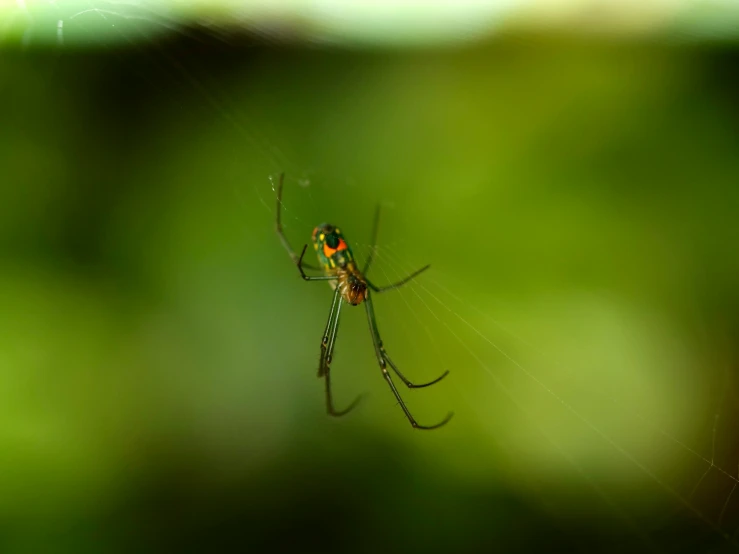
(577, 201)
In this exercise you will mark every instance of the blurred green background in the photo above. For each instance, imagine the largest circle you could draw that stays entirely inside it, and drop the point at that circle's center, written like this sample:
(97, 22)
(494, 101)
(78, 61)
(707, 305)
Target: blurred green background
(577, 199)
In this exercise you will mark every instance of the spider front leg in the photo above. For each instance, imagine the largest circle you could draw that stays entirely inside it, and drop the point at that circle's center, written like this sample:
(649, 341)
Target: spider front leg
(408, 383)
(383, 352)
(327, 351)
(333, 320)
(384, 360)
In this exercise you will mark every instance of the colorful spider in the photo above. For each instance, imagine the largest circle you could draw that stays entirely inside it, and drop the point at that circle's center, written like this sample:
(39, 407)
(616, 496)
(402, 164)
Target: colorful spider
(349, 285)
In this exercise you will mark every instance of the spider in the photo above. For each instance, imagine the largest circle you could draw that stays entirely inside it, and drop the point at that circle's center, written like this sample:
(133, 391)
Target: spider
(350, 285)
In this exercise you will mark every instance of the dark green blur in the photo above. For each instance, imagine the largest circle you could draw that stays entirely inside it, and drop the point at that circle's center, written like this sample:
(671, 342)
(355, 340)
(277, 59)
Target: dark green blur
(578, 203)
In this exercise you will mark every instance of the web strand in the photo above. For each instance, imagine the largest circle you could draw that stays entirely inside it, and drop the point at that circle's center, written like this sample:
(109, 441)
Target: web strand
(413, 286)
(570, 408)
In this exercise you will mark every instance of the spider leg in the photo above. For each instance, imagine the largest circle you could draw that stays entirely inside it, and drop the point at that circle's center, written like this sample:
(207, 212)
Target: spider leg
(278, 225)
(330, 403)
(375, 227)
(399, 283)
(327, 350)
(408, 383)
(308, 277)
(382, 359)
(322, 365)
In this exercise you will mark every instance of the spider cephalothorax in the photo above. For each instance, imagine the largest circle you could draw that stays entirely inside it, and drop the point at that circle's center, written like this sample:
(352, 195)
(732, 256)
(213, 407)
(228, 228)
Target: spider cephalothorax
(351, 286)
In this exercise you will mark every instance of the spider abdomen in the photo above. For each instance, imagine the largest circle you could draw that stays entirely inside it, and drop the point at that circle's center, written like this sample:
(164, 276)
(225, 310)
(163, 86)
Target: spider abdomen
(331, 248)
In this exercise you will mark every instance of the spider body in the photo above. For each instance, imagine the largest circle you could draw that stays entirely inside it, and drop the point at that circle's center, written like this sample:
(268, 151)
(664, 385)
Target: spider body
(350, 285)
(336, 258)
(331, 247)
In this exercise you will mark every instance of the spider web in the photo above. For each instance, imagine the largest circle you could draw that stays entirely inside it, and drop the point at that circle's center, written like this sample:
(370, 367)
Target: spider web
(676, 452)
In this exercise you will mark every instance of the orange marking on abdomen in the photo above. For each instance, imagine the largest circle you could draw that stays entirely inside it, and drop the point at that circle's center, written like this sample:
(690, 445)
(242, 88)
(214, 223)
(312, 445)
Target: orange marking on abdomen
(342, 245)
(328, 251)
